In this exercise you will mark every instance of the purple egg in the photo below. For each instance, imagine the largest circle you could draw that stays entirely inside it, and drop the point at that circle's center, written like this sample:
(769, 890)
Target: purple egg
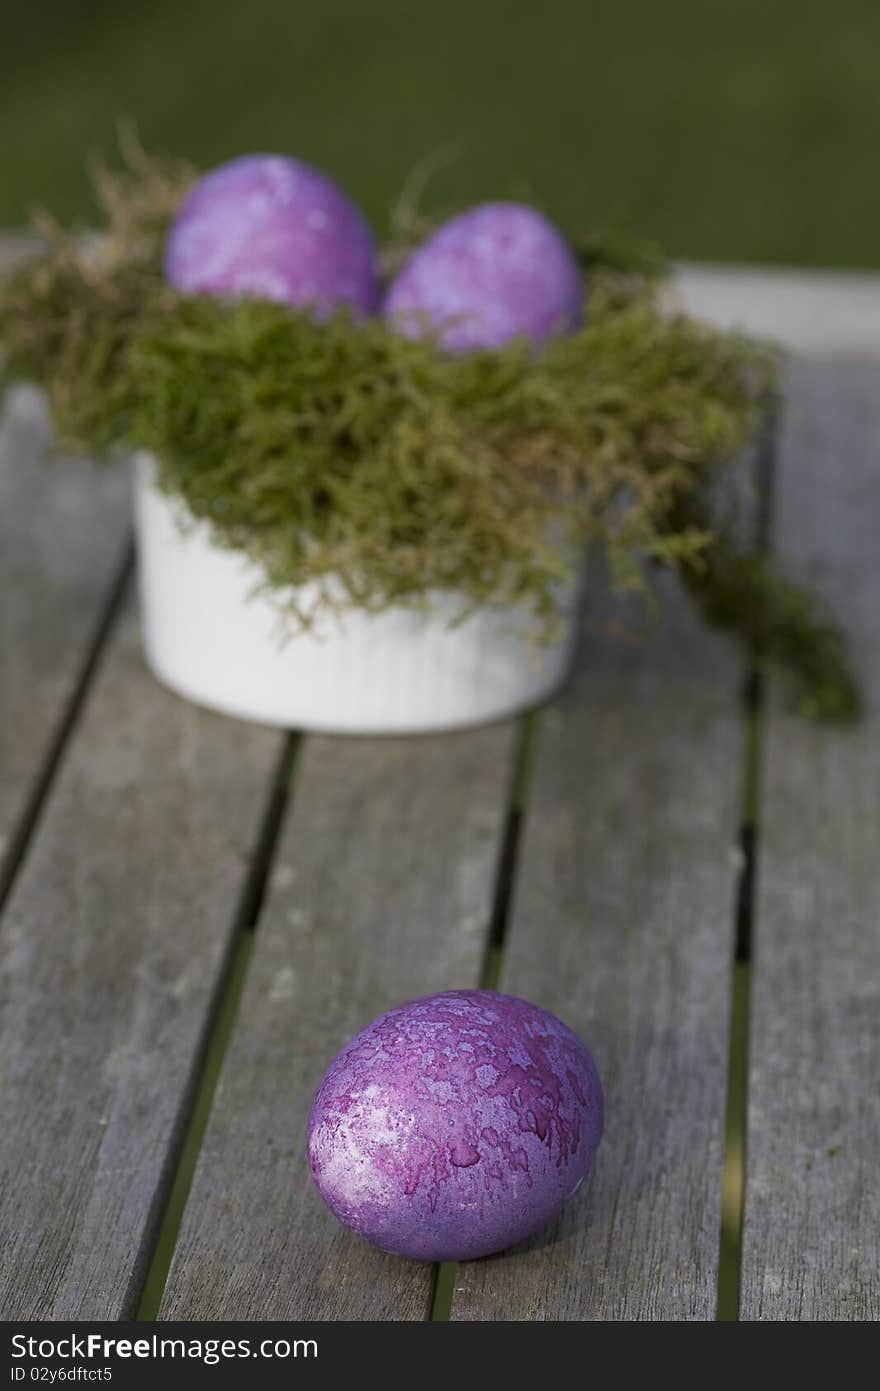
(273, 228)
(494, 273)
(455, 1126)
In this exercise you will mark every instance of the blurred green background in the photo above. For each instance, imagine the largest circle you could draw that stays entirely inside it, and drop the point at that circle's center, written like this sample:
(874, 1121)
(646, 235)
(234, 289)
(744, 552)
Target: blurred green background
(726, 131)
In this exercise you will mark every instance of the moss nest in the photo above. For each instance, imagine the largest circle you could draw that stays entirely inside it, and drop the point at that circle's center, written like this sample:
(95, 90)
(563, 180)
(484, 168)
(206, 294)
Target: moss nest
(381, 469)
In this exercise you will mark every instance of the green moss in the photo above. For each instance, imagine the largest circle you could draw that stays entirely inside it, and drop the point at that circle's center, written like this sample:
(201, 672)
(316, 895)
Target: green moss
(381, 470)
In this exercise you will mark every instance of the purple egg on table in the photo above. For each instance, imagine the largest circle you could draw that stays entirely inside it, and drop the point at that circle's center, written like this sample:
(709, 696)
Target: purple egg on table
(273, 228)
(455, 1126)
(494, 273)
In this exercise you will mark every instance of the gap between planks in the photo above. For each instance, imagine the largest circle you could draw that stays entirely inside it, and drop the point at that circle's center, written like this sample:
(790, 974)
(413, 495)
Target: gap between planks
(736, 1113)
(11, 861)
(219, 1031)
(444, 1277)
(65, 556)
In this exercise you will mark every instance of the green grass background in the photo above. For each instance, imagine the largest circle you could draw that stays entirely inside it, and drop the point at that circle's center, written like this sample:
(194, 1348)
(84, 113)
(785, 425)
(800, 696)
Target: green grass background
(743, 131)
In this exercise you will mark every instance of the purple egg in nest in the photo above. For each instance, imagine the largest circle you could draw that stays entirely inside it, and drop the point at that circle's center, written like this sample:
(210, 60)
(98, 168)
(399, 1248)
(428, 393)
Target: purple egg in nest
(273, 228)
(455, 1126)
(494, 273)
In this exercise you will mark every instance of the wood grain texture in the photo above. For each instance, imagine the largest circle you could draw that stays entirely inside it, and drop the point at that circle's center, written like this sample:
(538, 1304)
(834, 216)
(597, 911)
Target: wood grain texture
(63, 541)
(622, 924)
(812, 1214)
(114, 941)
(381, 892)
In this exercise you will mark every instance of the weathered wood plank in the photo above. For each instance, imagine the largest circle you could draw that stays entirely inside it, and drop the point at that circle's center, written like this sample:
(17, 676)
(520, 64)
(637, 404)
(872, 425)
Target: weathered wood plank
(114, 942)
(63, 541)
(816, 313)
(622, 925)
(811, 1246)
(382, 891)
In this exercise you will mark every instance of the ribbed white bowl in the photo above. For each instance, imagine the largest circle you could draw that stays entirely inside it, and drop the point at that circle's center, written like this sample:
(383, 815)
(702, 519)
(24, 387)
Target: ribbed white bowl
(209, 637)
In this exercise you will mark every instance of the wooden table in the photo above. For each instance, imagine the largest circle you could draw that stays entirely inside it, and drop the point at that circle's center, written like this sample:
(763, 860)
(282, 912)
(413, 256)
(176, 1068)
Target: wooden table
(197, 913)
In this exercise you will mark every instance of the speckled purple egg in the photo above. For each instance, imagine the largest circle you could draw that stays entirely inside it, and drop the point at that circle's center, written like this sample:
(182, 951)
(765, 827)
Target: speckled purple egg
(455, 1126)
(274, 228)
(491, 274)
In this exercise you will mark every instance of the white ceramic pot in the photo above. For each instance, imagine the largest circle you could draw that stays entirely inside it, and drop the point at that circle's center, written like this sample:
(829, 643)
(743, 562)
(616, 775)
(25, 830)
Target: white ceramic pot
(209, 636)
